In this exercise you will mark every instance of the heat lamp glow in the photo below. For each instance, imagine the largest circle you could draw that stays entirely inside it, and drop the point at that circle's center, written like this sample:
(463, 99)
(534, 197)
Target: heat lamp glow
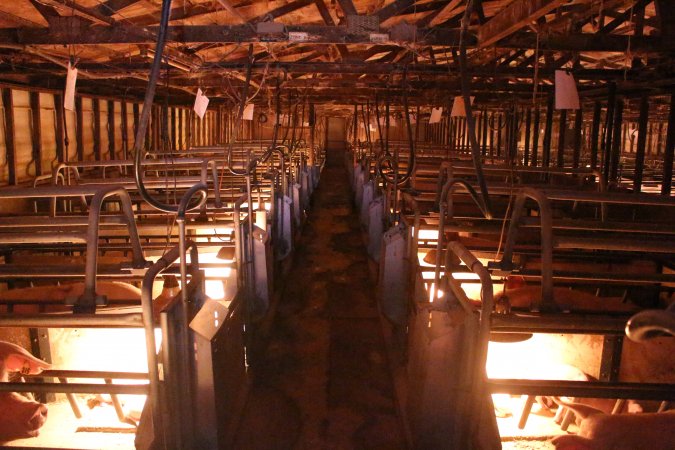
(541, 357)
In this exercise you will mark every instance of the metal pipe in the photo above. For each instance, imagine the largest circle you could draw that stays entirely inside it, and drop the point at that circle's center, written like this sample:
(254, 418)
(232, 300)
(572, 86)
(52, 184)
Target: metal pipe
(76, 388)
(124, 320)
(648, 324)
(594, 389)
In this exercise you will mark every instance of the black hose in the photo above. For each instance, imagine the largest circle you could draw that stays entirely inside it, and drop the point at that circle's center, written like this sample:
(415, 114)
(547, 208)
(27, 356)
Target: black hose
(470, 122)
(145, 115)
(392, 162)
(240, 114)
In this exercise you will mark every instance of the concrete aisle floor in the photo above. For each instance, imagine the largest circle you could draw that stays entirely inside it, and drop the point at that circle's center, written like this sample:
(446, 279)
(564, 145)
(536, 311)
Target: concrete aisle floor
(323, 382)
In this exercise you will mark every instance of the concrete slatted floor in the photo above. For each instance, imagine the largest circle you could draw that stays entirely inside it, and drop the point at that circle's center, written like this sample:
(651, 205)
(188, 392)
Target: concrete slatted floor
(323, 382)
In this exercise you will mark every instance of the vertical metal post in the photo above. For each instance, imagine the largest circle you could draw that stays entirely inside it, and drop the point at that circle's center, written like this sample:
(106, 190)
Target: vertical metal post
(535, 137)
(548, 132)
(562, 127)
(616, 142)
(609, 121)
(578, 128)
(528, 124)
(669, 150)
(641, 143)
(595, 134)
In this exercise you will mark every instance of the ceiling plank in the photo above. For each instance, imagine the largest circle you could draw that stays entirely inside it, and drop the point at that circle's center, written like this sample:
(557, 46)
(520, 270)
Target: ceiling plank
(514, 17)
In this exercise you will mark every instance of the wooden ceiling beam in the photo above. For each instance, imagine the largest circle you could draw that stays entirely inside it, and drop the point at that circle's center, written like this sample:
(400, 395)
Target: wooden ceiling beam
(112, 7)
(283, 10)
(394, 9)
(348, 7)
(623, 17)
(232, 10)
(514, 17)
(339, 68)
(124, 34)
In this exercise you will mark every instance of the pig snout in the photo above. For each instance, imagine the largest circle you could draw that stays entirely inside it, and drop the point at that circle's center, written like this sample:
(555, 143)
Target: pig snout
(19, 417)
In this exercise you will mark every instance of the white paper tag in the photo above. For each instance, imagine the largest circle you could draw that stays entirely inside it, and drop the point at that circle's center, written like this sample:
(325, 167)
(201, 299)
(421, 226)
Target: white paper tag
(248, 112)
(458, 109)
(201, 103)
(566, 95)
(69, 95)
(436, 114)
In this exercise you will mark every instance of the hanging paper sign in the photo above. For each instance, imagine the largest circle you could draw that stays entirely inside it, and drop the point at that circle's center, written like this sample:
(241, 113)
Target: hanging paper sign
(458, 109)
(566, 95)
(69, 96)
(248, 112)
(436, 114)
(201, 103)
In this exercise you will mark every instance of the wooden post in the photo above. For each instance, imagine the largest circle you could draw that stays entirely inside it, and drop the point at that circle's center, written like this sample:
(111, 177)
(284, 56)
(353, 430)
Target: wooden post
(641, 143)
(528, 124)
(10, 141)
(111, 129)
(97, 128)
(59, 127)
(595, 134)
(79, 128)
(668, 152)
(36, 131)
(124, 124)
(616, 142)
(578, 128)
(548, 132)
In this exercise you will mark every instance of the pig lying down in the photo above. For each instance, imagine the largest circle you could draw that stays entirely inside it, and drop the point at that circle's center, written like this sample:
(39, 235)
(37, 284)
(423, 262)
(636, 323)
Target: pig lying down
(20, 417)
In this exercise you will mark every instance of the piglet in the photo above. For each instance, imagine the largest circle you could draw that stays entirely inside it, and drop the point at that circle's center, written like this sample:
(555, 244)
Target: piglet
(19, 416)
(600, 431)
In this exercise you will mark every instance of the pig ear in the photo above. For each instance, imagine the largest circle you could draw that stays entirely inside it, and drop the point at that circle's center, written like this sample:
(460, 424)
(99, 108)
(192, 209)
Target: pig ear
(17, 359)
(571, 442)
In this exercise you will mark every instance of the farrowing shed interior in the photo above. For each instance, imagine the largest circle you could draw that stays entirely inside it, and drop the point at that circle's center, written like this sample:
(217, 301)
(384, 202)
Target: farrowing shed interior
(433, 224)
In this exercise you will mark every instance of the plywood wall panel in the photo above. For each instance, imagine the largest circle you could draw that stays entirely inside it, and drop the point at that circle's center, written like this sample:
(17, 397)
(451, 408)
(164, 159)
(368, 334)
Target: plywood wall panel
(48, 132)
(88, 129)
(25, 169)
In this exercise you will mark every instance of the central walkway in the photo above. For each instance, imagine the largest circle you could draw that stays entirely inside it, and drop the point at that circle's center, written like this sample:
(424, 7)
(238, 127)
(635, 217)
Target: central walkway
(323, 382)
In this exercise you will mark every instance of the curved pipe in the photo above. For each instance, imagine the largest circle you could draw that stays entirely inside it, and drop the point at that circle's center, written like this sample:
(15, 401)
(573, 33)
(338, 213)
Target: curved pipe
(649, 324)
